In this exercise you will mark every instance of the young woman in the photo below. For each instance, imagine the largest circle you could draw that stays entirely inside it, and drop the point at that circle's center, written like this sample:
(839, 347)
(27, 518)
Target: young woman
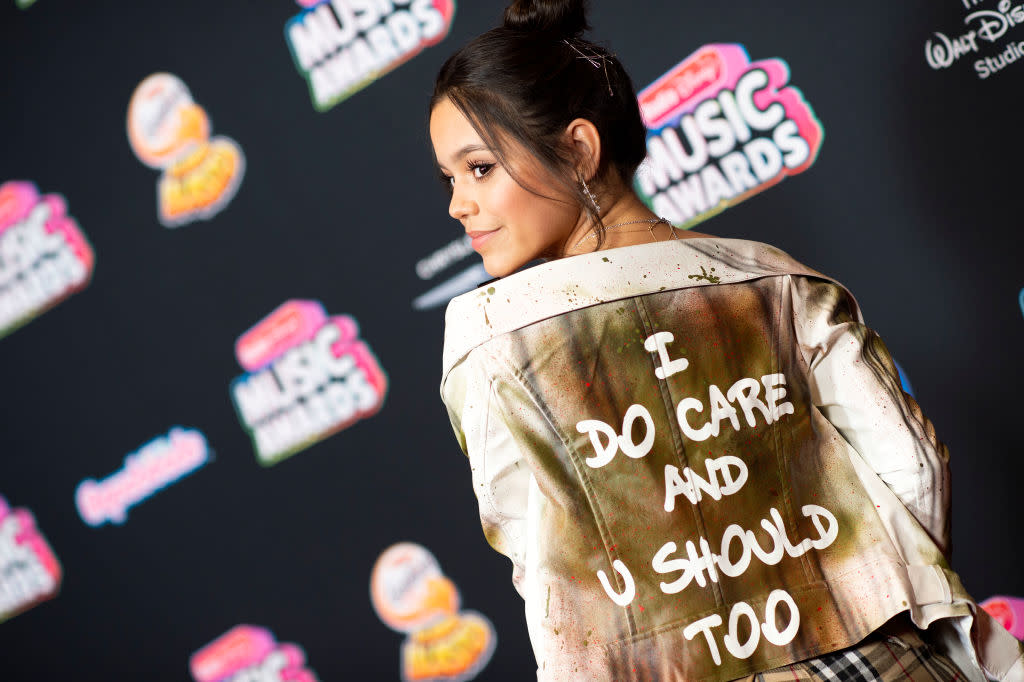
(697, 457)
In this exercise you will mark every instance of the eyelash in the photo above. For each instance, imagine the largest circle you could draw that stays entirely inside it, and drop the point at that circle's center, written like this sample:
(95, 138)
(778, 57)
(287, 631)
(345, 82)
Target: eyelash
(474, 166)
(471, 166)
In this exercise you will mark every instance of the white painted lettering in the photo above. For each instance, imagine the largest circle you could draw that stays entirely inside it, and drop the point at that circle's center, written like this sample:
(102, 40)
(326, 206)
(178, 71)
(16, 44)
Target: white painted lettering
(626, 444)
(732, 643)
(704, 625)
(691, 484)
(605, 452)
(721, 409)
(745, 392)
(773, 393)
(685, 405)
(729, 567)
(676, 485)
(659, 342)
(628, 593)
(770, 626)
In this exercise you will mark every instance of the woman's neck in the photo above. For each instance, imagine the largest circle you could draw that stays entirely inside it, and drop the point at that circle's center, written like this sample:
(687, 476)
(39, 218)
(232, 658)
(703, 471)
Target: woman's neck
(627, 221)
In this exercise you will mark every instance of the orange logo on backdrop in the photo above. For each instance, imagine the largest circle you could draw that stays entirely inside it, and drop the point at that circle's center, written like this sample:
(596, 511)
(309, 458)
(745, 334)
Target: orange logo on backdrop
(411, 595)
(169, 131)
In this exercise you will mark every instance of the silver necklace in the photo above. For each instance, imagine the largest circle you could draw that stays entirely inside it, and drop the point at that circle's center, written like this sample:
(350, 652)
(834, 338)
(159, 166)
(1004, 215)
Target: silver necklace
(651, 222)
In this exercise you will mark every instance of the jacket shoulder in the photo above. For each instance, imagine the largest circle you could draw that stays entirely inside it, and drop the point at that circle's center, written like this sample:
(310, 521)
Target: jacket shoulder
(576, 282)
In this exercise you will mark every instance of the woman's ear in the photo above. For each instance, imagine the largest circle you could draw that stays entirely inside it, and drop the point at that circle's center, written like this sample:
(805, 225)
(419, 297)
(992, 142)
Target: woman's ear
(586, 144)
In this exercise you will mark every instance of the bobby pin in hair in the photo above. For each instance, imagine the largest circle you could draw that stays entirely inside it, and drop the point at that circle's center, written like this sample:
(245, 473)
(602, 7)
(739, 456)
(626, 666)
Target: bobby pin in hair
(592, 58)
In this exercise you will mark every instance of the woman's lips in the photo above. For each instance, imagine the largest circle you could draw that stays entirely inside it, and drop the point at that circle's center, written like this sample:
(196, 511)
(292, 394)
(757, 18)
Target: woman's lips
(478, 239)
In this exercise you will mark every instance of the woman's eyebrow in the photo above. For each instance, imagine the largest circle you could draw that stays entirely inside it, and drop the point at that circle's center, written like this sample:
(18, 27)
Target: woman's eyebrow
(468, 149)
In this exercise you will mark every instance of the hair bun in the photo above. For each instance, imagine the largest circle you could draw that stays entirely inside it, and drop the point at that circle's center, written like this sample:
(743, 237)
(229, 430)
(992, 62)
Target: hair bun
(566, 18)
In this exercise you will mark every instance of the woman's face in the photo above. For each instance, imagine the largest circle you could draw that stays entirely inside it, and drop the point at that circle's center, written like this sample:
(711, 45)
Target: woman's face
(509, 225)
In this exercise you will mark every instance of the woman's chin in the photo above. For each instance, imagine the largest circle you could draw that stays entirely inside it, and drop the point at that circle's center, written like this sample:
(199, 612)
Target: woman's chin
(498, 267)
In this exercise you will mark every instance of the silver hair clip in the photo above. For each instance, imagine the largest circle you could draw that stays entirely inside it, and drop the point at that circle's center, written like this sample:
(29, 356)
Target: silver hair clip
(592, 58)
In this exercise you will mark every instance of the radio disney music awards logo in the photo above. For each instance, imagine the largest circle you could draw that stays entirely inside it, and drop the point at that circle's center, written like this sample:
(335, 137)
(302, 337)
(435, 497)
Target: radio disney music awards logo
(721, 129)
(170, 132)
(308, 376)
(29, 570)
(157, 464)
(341, 46)
(983, 28)
(44, 257)
(446, 257)
(247, 653)
(411, 595)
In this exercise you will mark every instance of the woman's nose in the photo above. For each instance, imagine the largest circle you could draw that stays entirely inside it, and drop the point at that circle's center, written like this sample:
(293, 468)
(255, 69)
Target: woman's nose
(461, 206)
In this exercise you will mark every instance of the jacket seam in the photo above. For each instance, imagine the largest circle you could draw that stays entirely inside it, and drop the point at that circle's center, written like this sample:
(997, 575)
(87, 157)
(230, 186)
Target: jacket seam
(697, 511)
(598, 514)
(518, 552)
(782, 444)
(741, 278)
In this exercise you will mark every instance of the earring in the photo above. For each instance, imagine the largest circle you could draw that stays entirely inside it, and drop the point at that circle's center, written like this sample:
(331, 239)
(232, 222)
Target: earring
(590, 195)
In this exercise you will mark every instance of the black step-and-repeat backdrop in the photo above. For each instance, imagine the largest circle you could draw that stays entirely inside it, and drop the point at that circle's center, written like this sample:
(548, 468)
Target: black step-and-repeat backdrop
(224, 260)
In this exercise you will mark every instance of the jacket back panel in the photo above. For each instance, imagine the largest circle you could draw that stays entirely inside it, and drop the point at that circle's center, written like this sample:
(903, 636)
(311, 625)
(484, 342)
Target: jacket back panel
(743, 531)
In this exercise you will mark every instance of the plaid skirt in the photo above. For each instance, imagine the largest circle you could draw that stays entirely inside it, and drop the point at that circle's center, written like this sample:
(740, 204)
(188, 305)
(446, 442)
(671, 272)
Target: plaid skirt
(895, 652)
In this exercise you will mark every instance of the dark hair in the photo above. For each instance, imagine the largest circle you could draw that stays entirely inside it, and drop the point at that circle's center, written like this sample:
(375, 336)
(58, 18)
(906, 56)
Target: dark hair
(526, 80)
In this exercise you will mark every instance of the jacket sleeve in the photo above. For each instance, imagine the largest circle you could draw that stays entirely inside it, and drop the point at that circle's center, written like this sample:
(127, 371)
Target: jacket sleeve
(501, 478)
(856, 386)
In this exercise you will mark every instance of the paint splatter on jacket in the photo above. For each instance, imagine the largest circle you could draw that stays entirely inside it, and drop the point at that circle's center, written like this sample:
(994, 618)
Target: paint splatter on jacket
(702, 465)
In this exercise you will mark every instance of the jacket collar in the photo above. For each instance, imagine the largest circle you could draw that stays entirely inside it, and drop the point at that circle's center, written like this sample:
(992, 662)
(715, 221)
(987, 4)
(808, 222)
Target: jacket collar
(575, 282)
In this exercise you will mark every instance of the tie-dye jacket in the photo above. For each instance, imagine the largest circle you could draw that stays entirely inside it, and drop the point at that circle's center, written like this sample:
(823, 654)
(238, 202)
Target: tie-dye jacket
(701, 464)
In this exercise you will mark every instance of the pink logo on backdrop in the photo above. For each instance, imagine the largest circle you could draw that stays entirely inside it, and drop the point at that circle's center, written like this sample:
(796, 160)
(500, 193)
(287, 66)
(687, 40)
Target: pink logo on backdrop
(342, 46)
(1009, 611)
(247, 653)
(154, 466)
(721, 129)
(29, 570)
(44, 257)
(308, 377)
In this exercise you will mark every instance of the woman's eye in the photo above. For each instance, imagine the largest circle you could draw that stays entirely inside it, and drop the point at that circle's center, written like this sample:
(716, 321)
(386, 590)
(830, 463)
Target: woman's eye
(479, 171)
